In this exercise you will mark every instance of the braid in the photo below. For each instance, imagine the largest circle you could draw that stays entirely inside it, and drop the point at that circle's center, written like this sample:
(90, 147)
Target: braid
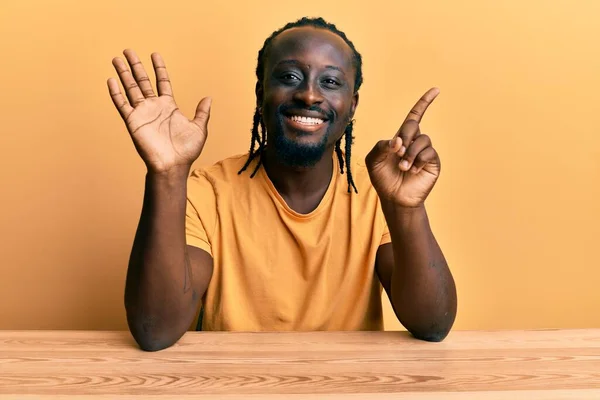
(349, 138)
(255, 138)
(261, 139)
(338, 151)
(262, 146)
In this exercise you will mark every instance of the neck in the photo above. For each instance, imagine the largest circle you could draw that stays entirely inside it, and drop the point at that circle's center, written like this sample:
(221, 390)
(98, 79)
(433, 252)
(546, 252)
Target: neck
(302, 188)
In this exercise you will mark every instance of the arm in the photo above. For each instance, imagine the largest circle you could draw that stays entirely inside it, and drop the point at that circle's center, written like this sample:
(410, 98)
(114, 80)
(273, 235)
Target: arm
(412, 268)
(165, 278)
(415, 275)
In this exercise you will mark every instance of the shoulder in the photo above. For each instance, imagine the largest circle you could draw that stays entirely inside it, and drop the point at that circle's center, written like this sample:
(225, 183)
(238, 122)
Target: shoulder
(219, 178)
(360, 176)
(222, 171)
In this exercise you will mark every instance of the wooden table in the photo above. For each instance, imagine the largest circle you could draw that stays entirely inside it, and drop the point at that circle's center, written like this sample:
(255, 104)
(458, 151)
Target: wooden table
(549, 364)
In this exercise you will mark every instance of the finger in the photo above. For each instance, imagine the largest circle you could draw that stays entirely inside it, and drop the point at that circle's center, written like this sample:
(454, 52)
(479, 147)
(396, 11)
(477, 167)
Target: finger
(118, 99)
(139, 73)
(132, 90)
(408, 132)
(379, 152)
(203, 113)
(396, 146)
(418, 110)
(425, 157)
(163, 83)
(420, 144)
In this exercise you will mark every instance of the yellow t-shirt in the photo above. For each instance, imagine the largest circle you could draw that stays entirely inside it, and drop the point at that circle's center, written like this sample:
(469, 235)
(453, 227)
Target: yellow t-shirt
(278, 270)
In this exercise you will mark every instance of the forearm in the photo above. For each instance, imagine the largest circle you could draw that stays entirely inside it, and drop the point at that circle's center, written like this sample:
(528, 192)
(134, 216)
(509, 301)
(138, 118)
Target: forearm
(159, 298)
(423, 292)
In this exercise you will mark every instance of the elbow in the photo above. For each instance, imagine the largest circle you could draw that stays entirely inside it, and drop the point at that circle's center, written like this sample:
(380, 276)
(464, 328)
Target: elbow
(151, 344)
(431, 335)
(433, 332)
(152, 339)
(435, 329)
(148, 335)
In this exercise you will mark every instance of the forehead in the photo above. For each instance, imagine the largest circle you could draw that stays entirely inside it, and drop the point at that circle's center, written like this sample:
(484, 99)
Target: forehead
(311, 46)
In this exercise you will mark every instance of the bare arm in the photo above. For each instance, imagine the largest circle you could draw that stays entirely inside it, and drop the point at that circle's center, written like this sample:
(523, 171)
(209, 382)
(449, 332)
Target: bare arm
(165, 277)
(415, 275)
(412, 268)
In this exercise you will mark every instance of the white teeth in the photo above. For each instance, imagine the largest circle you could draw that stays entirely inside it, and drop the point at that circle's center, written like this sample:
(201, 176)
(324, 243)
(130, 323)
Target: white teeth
(306, 120)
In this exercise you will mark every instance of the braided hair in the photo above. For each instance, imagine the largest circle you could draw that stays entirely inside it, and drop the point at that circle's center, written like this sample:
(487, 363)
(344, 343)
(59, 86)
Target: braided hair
(258, 140)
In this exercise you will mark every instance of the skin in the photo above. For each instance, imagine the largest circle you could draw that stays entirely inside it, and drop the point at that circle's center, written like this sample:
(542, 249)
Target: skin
(412, 269)
(166, 278)
(298, 73)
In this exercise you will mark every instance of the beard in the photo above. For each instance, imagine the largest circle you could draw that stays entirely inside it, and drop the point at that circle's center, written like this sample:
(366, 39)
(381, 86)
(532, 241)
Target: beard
(294, 154)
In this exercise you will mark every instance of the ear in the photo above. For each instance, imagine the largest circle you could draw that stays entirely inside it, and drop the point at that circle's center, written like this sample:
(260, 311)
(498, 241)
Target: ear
(258, 90)
(354, 104)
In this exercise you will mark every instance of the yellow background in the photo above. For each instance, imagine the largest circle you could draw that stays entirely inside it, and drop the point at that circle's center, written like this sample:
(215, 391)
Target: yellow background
(517, 208)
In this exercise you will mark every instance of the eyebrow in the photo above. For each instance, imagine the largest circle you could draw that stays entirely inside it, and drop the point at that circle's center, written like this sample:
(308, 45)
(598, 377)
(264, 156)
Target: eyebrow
(296, 62)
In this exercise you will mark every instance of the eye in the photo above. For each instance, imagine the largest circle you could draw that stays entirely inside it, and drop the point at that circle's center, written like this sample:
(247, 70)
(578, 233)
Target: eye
(289, 77)
(331, 82)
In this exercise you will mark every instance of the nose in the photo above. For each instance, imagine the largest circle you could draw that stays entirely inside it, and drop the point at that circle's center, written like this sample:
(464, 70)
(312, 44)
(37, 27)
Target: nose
(308, 93)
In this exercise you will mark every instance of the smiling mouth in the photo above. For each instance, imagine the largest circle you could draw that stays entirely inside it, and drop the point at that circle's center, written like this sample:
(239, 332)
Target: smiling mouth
(300, 123)
(306, 120)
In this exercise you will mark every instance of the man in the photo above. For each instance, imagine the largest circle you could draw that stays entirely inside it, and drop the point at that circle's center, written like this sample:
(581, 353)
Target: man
(275, 239)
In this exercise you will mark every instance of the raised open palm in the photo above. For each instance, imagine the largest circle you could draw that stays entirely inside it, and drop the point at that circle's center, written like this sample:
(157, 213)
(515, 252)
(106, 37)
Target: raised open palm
(162, 135)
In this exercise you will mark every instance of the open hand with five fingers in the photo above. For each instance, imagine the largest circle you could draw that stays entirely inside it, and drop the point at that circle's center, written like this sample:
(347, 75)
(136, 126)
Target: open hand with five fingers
(404, 170)
(165, 138)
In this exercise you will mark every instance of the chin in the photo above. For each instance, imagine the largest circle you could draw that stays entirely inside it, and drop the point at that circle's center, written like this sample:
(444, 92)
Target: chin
(304, 138)
(299, 145)
(300, 151)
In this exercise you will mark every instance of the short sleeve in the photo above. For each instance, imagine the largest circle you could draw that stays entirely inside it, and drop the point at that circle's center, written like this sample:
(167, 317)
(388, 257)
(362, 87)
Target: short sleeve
(385, 236)
(201, 212)
(385, 230)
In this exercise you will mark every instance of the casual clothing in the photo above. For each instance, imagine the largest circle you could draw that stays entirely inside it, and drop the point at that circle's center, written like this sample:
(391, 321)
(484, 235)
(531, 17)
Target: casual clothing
(278, 270)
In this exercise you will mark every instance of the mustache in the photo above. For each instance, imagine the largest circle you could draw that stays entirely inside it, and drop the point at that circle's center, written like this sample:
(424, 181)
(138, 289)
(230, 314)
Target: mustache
(283, 108)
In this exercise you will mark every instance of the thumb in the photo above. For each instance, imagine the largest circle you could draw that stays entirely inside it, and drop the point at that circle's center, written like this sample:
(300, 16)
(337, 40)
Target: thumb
(382, 149)
(203, 113)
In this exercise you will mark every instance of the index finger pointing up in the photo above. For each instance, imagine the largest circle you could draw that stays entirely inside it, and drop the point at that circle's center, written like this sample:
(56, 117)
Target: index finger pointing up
(418, 110)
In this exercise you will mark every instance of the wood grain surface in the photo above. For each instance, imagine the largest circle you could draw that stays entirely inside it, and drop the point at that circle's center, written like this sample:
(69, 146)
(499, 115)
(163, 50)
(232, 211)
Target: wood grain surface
(548, 364)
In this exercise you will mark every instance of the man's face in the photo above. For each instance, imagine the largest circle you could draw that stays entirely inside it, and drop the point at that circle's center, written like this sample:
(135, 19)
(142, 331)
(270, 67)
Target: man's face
(308, 93)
